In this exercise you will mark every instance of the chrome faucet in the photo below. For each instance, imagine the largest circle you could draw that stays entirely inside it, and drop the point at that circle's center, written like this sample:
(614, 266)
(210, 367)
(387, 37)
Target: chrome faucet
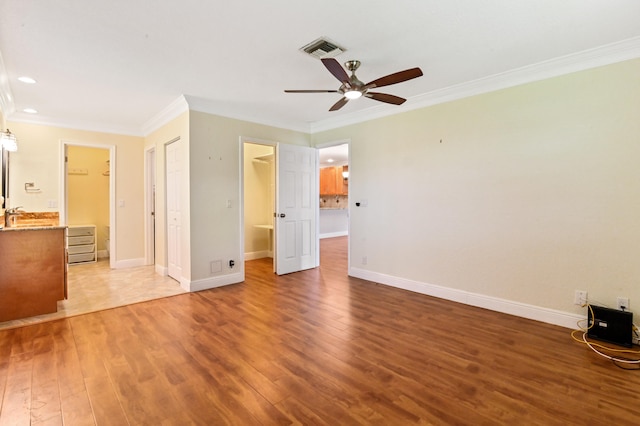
(8, 213)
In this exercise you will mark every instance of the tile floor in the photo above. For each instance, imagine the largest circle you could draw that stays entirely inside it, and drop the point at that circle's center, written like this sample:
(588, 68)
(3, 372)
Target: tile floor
(94, 287)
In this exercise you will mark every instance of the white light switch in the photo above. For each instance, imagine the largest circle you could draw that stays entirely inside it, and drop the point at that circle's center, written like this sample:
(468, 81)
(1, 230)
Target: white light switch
(120, 203)
(228, 204)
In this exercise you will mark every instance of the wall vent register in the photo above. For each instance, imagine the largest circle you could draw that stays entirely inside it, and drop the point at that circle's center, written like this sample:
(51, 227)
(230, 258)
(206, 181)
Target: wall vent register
(81, 244)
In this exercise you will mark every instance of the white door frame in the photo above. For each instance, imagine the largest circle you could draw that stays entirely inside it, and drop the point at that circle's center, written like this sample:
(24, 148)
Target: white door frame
(174, 272)
(62, 202)
(149, 204)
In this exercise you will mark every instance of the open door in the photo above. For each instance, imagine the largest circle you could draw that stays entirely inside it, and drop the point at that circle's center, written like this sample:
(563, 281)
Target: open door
(296, 230)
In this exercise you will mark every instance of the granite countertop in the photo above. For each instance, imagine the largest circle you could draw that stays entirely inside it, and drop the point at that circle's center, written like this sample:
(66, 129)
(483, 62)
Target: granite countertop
(33, 221)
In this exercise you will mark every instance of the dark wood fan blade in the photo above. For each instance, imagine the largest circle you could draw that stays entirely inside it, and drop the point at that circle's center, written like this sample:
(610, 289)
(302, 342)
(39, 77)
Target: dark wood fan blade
(336, 69)
(394, 78)
(311, 91)
(342, 102)
(384, 97)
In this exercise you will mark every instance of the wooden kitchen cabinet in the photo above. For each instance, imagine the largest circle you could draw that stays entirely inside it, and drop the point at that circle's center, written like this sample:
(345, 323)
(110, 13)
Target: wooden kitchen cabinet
(33, 272)
(332, 182)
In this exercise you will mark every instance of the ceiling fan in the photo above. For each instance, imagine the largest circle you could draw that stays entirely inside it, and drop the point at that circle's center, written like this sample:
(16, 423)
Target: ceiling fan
(352, 88)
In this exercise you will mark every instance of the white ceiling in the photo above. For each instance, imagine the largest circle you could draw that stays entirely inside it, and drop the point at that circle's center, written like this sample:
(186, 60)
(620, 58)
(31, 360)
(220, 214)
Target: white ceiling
(115, 65)
(336, 155)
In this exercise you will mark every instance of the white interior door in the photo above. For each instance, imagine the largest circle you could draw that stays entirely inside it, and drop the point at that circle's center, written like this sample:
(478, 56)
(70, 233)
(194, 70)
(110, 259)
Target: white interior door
(296, 230)
(173, 160)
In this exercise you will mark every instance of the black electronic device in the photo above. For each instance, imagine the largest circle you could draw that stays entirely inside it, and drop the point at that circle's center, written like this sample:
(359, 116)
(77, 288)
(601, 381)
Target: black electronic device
(610, 325)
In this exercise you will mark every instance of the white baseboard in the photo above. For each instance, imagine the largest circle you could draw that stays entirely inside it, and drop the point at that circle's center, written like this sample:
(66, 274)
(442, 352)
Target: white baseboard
(129, 263)
(102, 254)
(537, 313)
(213, 282)
(334, 234)
(258, 255)
(162, 270)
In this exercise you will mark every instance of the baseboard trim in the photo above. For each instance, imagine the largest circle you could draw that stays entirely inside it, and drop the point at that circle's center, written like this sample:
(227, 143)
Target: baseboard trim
(537, 313)
(213, 282)
(129, 263)
(162, 270)
(334, 234)
(258, 255)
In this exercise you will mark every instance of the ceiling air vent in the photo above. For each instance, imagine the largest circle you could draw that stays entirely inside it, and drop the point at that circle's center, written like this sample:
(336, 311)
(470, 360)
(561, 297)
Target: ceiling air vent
(322, 48)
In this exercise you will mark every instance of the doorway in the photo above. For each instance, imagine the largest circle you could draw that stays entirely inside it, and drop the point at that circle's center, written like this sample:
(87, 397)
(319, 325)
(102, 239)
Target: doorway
(88, 192)
(334, 190)
(334, 210)
(289, 219)
(259, 200)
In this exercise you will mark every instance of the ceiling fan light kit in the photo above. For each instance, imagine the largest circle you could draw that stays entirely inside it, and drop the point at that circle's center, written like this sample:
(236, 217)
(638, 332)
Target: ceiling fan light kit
(353, 94)
(352, 88)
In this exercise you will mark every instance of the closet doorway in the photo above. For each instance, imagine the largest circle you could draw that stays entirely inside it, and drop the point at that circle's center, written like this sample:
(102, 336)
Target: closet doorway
(280, 204)
(259, 200)
(88, 194)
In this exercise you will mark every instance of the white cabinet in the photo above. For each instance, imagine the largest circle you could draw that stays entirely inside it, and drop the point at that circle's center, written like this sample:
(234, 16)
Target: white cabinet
(81, 244)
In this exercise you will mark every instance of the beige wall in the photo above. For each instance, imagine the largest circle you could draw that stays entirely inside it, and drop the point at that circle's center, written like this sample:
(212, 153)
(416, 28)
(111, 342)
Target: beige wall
(178, 128)
(38, 160)
(88, 193)
(215, 179)
(521, 195)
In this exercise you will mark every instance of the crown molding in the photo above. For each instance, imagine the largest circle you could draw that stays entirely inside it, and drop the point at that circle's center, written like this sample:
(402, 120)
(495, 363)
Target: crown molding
(587, 59)
(74, 125)
(168, 113)
(592, 58)
(210, 107)
(7, 107)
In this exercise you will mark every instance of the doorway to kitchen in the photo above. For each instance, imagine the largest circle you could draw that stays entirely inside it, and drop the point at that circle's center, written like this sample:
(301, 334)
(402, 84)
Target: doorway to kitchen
(88, 197)
(334, 189)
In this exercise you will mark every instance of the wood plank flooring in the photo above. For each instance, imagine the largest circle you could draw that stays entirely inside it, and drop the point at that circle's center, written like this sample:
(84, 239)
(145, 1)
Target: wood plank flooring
(315, 347)
(95, 287)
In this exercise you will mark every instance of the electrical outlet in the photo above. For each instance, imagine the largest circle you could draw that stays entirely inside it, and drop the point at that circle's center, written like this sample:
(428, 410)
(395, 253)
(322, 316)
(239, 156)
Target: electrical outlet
(622, 303)
(364, 260)
(580, 297)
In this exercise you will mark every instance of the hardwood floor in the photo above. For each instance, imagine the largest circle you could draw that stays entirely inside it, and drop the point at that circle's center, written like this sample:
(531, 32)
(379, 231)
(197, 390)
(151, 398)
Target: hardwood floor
(315, 347)
(95, 287)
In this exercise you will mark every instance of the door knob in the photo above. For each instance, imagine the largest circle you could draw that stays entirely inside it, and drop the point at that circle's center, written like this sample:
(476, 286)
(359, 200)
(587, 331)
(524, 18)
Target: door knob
(282, 215)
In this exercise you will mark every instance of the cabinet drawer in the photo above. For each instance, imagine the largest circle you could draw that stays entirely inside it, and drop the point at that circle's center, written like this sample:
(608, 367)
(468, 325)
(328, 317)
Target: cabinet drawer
(80, 230)
(86, 248)
(74, 241)
(81, 257)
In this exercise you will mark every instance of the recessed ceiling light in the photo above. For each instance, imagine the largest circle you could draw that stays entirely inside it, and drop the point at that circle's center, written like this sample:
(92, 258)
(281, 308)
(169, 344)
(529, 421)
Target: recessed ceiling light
(30, 111)
(330, 160)
(26, 79)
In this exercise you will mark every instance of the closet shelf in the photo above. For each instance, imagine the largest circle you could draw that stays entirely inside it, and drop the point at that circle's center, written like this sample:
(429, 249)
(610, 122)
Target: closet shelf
(265, 159)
